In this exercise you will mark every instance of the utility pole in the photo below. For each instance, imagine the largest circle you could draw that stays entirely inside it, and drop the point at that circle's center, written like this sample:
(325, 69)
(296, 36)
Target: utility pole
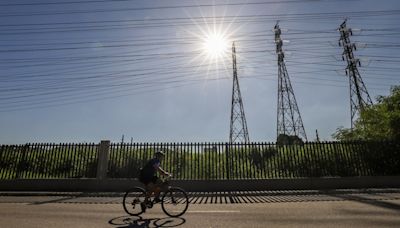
(359, 97)
(317, 136)
(238, 127)
(289, 120)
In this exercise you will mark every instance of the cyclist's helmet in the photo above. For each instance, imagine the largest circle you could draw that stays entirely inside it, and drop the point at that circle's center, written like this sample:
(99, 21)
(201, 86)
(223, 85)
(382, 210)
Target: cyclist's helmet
(160, 153)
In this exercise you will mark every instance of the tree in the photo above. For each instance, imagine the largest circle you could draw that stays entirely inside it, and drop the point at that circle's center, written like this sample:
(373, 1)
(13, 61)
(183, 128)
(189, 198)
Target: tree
(289, 140)
(376, 122)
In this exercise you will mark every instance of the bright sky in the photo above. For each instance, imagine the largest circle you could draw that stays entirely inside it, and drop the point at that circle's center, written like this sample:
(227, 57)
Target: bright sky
(87, 70)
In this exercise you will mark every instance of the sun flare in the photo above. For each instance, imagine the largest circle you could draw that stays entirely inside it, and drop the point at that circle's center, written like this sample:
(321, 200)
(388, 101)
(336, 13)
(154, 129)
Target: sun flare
(215, 45)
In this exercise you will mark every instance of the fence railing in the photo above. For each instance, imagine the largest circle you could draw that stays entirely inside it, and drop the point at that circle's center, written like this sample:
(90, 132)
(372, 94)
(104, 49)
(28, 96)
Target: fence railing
(204, 161)
(43, 160)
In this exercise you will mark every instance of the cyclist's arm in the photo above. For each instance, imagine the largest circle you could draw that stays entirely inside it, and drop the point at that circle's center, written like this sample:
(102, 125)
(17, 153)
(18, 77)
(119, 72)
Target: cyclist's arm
(163, 172)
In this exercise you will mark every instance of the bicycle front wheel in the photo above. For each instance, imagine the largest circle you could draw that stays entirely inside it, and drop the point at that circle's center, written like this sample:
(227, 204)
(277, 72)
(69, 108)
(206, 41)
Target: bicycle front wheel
(132, 200)
(175, 202)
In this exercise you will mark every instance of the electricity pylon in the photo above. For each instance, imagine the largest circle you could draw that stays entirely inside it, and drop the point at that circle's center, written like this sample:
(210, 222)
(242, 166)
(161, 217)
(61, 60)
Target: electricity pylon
(359, 97)
(289, 120)
(238, 127)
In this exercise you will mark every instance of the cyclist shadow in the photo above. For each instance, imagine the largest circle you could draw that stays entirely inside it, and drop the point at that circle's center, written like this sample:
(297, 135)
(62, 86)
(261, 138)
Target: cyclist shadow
(139, 222)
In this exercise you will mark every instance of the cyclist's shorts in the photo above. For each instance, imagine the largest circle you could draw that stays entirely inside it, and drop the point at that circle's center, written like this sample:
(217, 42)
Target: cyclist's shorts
(151, 179)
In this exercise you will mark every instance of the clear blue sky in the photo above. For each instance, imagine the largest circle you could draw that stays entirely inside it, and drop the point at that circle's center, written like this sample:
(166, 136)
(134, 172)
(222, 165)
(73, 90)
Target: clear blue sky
(87, 70)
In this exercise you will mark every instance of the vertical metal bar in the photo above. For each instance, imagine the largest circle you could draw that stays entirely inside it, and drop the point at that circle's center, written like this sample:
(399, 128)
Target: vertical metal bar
(227, 160)
(50, 161)
(242, 152)
(202, 159)
(67, 158)
(282, 161)
(88, 166)
(198, 161)
(77, 159)
(241, 160)
(132, 161)
(56, 161)
(337, 159)
(178, 159)
(13, 159)
(288, 161)
(363, 146)
(3, 157)
(347, 155)
(272, 164)
(64, 158)
(291, 160)
(115, 158)
(278, 160)
(308, 162)
(43, 160)
(294, 154)
(327, 157)
(47, 159)
(235, 161)
(353, 158)
(185, 162)
(264, 172)
(16, 158)
(25, 169)
(194, 162)
(73, 158)
(85, 159)
(317, 160)
(8, 156)
(220, 163)
(39, 160)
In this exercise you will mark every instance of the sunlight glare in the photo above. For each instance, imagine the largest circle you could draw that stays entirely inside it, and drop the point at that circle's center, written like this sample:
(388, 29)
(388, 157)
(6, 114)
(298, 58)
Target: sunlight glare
(215, 45)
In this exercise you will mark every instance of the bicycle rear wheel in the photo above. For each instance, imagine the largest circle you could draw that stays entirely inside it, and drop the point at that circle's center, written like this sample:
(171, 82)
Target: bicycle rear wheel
(132, 200)
(175, 202)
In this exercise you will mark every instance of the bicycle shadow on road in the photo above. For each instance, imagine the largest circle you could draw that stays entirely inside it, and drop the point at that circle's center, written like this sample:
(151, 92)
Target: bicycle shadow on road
(139, 222)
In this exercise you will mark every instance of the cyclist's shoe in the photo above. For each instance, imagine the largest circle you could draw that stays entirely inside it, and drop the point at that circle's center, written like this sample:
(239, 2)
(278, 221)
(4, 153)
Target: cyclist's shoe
(143, 206)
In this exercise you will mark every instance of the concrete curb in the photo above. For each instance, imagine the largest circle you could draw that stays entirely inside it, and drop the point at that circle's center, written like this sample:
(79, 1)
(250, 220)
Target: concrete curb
(121, 185)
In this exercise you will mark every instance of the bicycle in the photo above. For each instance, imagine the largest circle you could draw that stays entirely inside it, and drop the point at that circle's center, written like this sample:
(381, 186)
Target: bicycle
(174, 200)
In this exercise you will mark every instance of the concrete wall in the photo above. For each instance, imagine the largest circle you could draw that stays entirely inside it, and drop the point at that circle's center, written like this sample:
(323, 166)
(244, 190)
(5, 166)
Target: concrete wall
(120, 185)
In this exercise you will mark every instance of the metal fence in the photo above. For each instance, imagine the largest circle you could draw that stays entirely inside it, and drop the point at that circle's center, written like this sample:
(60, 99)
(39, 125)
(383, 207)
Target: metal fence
(44, 160)
(205, 161)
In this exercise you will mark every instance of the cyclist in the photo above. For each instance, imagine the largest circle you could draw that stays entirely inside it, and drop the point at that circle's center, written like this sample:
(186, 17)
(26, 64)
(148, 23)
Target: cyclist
(148, 176)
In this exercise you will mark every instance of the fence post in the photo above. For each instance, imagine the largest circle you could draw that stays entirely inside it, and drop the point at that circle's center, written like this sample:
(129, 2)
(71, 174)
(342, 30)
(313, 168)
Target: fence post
(227, 161)
(102, 163)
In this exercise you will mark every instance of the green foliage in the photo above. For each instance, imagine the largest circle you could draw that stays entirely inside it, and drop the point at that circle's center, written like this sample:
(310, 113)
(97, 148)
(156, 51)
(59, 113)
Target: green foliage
(288, 140)
(377, 122)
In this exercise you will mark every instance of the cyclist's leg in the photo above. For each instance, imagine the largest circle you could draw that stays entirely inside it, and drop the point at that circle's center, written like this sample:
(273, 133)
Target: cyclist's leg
(157, 190)
(150, 188)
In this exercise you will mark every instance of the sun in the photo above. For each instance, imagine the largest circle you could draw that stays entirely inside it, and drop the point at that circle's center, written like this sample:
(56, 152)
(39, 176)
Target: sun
(215, 45)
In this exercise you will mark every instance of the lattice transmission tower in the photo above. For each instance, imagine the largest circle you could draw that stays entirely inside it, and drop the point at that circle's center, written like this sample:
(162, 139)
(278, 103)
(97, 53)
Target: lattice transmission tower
(238, 127)
(359, 97)
(289, 120)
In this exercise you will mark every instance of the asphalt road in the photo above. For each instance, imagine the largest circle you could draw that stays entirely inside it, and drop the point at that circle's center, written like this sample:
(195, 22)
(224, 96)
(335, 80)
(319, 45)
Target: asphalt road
(268, 209)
